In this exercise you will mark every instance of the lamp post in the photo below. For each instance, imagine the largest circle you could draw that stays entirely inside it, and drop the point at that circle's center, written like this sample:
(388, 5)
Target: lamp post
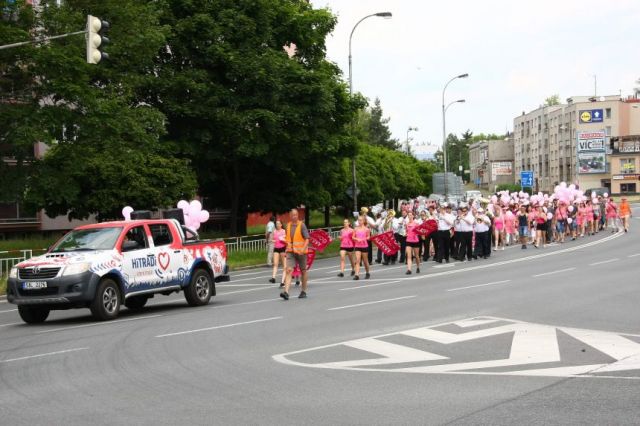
(354, 186)
(410, 129)
(444, 128)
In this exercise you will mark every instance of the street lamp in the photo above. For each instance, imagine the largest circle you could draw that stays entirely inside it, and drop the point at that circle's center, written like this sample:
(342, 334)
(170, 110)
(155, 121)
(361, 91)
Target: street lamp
(444, 128)
(410, 129)
(354, 188)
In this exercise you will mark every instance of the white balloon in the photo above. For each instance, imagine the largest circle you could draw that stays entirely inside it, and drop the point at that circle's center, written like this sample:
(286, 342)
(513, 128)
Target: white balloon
(126, 212)
(204, 216)
(183, 204)
(195, 207)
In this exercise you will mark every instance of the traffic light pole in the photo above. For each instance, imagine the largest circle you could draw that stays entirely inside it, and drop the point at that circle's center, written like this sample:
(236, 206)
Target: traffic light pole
(39, 40)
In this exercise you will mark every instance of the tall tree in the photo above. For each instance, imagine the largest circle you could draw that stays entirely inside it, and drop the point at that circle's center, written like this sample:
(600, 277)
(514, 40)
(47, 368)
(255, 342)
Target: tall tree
(552, 100)
(104, 142)
(378, 128)
(265, 131)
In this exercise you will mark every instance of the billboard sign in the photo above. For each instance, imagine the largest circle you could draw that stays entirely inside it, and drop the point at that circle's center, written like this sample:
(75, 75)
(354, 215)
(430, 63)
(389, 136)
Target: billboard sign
(501, 168)
(590, 116)
(591, 151)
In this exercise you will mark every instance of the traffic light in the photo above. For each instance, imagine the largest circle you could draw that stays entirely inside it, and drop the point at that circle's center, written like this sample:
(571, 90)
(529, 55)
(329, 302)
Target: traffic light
(96, 39)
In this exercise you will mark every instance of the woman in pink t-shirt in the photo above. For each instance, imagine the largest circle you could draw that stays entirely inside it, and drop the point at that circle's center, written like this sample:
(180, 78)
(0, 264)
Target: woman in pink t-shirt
(346, 247)
(498, 228)
(509, 227)
(611, 212)
(413, 243)
(588, 213)
(582, 219)
(279, 248)
(361, 236)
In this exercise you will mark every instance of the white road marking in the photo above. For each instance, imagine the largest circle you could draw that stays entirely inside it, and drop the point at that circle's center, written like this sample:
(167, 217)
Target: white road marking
(531, 345)
(96, 324)
(479, 285)
(603, 262)
(368, 285)
(218, 327)
(247, 303)
(43, 355)
(559, 271)
(634, 255)
(445, 265)
(13, 323)
(370, 303)
(9, 310)
(246, 291)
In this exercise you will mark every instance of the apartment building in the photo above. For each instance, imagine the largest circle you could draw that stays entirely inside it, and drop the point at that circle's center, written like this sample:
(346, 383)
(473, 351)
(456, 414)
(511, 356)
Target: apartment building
(625, 164)
(546, 140)
(491, 162)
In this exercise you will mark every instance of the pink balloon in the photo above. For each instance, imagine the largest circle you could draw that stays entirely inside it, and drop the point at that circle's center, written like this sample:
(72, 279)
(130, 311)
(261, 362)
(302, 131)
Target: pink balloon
(204, 216)
(195, 207)
(563, 185)
(570, 208)
(196, 226)
(549, 216)
(605, 195)
(494, 199)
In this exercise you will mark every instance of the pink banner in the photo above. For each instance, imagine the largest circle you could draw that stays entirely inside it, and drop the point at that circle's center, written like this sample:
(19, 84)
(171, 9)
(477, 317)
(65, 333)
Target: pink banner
(427, 227)
(319, 239)
(386, 243)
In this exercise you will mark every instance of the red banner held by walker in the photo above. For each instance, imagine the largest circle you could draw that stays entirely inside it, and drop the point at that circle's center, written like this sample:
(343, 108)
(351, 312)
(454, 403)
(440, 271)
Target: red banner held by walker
(427, 227)
(319, 239)
(311, 256)
(386, 243)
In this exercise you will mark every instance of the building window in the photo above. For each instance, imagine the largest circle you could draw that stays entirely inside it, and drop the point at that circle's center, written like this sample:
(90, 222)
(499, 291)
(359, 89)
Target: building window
(626, 188)
(627, 165)
(607, 113)
(608, 130)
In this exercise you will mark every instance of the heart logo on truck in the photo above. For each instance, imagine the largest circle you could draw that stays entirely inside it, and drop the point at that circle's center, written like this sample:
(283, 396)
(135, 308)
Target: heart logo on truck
(163, 260)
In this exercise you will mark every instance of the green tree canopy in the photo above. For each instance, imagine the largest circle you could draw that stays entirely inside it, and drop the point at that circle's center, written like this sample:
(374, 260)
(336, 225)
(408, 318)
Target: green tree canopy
(552, 100)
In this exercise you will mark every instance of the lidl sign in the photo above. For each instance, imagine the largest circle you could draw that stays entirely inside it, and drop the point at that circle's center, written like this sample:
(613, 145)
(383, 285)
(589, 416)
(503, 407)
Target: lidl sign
(590, 116)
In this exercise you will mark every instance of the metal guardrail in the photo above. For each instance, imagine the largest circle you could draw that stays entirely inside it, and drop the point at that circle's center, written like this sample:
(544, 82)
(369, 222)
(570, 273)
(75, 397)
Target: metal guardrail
(9, 262)
(258, 242)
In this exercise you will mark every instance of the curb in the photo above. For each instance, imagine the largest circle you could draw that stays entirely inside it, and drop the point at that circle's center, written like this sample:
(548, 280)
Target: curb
(3, 298)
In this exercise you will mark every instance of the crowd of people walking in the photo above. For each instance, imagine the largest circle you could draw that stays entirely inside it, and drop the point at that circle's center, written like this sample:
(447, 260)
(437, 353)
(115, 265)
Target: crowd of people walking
(468, 231)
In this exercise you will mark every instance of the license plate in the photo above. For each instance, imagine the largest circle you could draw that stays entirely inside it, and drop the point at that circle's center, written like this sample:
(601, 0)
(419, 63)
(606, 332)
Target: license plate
(32, 285)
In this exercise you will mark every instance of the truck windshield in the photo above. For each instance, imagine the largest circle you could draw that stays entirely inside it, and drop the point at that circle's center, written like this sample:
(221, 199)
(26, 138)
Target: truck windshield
(88, 239)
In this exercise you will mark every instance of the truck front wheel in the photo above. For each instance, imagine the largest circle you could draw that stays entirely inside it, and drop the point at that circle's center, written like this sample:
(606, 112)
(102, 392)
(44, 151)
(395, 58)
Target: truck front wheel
(198, 292)
(106, 304)
(33, 314)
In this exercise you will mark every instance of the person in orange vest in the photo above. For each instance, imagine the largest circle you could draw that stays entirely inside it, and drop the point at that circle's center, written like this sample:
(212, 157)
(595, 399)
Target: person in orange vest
(297, 239)
(625, 213)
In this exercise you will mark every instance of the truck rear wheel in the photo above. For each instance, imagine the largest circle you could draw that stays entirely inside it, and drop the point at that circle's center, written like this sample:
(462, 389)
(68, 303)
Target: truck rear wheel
(136, 302)
(199, 291)
(106, 303)
(33, 314)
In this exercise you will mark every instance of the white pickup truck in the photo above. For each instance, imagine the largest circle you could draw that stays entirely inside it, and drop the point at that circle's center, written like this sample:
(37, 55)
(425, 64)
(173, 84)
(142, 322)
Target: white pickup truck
(106, 265)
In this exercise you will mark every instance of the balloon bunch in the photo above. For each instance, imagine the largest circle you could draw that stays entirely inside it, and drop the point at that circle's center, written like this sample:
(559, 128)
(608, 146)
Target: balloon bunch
(569, 194)
(194, 216)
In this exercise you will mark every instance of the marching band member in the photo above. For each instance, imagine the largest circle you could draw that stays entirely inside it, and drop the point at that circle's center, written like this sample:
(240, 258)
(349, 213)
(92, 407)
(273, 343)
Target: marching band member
(483, 239)
(445, 223)
(465, 238)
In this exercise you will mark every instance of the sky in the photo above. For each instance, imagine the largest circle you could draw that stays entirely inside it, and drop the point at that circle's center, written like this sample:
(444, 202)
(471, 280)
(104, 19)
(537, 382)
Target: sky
(517, 53)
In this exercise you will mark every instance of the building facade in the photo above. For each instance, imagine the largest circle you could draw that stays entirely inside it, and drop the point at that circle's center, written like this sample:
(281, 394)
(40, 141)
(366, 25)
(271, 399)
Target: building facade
(546, 140)
(625, 164)
(491, 163)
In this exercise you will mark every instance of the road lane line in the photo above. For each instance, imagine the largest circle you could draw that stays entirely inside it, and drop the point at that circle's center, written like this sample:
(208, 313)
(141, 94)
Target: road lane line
(9, 310)
(634, 255)
(370, 303)
(247, 303)
(479, 285)
(604, 261)
(369, 285)
(43, 355)
(445, 265)
(95, 324)
(553, 272)
(12, 323)
(179, 333)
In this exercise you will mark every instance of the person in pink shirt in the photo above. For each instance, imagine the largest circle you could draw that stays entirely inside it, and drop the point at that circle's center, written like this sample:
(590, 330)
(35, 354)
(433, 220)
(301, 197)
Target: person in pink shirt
(531, 216)
(588, 212)
(561, 220)
(361, 236)
(582, 219)
(510, 227)
(413, 243)
(279, 248)
(611, 212)
(498, 228)
(346, 247)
